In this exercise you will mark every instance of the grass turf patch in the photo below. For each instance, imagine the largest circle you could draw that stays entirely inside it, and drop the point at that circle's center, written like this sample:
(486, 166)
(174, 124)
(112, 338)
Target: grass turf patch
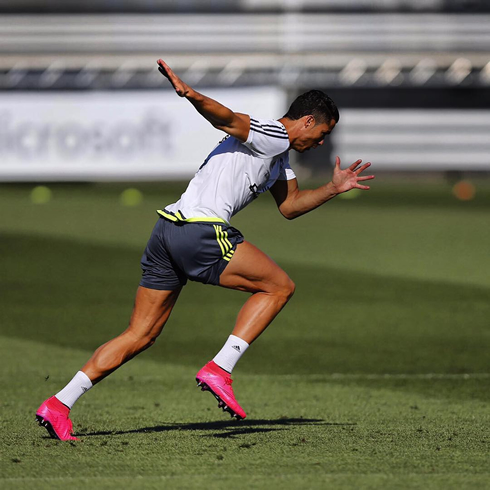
(375, 375)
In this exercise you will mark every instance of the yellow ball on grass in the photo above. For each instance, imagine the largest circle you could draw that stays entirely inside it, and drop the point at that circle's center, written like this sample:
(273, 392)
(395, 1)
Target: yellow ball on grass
(41, 194)
(131, 197)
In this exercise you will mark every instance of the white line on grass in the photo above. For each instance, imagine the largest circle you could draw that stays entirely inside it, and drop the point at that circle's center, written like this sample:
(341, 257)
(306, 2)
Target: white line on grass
(348, 376)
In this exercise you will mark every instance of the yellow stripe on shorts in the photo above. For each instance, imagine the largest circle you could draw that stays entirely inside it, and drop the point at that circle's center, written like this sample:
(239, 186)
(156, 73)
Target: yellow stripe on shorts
(217, 230)
(229, 255)
(225, 233)
(223, 242)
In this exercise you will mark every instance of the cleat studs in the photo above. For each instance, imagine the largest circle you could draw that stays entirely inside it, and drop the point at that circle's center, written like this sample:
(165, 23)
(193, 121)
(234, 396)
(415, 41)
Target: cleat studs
(221, 403)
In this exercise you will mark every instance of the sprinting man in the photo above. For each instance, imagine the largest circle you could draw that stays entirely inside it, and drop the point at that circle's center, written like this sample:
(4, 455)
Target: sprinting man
(193, 239)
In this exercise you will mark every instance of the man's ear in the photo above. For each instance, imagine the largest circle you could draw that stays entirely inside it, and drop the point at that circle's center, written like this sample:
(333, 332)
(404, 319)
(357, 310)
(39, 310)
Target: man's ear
(310, 121)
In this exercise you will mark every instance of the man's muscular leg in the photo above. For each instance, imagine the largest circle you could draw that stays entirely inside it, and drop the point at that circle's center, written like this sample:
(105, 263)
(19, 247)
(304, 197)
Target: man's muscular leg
(151, 311)
(251, 270)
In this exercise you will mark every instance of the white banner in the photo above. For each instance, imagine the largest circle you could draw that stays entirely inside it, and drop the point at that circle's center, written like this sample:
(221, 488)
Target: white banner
(130, 135)
(415, 139)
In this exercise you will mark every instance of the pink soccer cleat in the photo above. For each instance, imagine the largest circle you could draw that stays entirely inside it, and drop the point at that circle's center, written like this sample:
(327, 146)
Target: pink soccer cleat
(53, 415)
(218, 381)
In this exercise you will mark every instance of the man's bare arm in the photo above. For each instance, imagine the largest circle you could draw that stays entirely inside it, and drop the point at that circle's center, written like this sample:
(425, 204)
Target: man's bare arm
(233, 123)
(293, 202)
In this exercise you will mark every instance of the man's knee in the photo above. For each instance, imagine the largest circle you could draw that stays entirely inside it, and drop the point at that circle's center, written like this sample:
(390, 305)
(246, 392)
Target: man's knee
(291, 289)
(148, 341)
(287, 288)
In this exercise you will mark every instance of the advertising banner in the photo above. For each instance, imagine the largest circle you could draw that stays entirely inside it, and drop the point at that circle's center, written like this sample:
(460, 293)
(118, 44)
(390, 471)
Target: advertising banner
(122, 135)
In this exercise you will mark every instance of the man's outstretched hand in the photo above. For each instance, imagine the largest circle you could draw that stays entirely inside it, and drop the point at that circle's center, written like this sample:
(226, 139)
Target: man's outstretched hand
(349, 178)
(180, 87)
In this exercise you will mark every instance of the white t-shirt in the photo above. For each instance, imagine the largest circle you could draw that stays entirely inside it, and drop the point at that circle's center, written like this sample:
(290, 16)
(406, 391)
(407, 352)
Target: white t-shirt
(235, 173)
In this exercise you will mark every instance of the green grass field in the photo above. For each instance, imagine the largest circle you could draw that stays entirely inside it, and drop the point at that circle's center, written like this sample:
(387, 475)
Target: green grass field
(376, 375)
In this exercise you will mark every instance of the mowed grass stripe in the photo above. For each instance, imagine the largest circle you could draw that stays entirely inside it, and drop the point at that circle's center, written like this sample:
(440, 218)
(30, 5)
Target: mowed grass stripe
(80, 295)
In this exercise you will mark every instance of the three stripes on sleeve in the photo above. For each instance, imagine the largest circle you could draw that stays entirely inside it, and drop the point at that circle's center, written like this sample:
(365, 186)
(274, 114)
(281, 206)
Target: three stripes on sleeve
(272, 130)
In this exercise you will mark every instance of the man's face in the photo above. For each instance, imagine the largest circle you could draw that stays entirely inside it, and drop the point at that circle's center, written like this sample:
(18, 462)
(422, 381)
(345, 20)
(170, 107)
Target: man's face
(312, 134)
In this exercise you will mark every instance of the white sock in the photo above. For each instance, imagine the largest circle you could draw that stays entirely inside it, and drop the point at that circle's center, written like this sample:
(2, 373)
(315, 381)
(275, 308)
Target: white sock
(74, 389)
(231, 352)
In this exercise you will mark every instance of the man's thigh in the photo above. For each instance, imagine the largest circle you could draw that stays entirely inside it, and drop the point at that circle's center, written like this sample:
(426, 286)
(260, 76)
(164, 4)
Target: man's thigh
(151, 310)
(253, 271)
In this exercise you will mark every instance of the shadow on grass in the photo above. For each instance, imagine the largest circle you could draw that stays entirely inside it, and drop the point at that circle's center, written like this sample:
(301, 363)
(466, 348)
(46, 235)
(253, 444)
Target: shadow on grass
(223, 429)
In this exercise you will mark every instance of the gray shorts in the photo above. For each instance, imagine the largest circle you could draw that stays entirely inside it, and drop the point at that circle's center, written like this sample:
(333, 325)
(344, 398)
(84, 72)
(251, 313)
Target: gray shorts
(179, 251)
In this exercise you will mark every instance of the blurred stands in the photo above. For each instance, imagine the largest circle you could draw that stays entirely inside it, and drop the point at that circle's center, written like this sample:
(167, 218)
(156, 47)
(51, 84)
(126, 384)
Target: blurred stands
(289, 49)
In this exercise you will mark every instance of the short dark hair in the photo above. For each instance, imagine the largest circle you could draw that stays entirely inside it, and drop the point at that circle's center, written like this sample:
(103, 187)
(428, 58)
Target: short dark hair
(316, 103)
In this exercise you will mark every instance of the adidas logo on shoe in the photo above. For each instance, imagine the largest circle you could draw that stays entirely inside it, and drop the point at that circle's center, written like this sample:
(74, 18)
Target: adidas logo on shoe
(236, 347)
